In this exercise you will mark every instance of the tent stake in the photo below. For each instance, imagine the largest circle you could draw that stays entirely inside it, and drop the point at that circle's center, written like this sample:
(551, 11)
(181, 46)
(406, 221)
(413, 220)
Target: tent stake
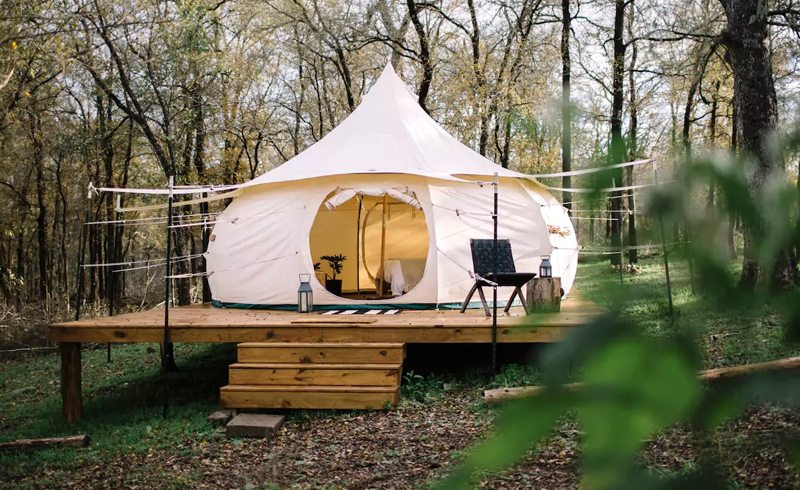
(494, 286)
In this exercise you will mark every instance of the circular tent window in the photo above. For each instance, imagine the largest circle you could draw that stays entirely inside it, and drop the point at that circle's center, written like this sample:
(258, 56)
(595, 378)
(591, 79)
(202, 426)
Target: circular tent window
(382, 236)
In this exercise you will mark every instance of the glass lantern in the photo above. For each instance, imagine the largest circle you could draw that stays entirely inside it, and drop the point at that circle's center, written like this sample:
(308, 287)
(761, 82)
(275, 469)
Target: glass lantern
(545, 267)
(305, 299)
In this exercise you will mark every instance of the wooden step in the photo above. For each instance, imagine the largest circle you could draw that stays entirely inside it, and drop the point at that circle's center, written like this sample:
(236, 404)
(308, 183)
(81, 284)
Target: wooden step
(308, 397)
(303, 374)
(321, 353)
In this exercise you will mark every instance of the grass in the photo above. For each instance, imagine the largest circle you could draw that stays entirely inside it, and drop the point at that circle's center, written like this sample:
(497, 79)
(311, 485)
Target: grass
(122, 404)
(728, 335)
(123, 399)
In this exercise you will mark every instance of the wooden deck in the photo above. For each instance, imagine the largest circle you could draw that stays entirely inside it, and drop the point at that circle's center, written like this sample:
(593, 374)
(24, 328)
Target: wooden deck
(204, 323)
(324, 361)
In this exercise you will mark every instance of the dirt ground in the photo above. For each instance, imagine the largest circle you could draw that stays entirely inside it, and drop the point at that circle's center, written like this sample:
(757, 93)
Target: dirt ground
(414, 445)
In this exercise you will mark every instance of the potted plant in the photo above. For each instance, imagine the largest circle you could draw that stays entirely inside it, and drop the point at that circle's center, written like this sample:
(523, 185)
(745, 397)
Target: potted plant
(335, 262)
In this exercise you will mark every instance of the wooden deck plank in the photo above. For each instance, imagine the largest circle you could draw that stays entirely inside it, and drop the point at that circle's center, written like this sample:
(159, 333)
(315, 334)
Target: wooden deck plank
(205, 323)
(288, 352)
(313, 397)
(315, 374)
(416, 334)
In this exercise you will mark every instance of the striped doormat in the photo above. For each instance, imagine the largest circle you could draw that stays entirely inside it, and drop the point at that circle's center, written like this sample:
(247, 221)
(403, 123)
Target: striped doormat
(362, 312)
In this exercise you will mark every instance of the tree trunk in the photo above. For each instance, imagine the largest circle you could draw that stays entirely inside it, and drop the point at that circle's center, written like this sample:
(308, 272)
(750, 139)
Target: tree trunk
(617, 150)
(712, 138)
(633, 144)
(424, 55)
(200, 167)
(566, 109)
(748, 53)
(41, 202)
(480, 79)
(734, 149)
(107, 151)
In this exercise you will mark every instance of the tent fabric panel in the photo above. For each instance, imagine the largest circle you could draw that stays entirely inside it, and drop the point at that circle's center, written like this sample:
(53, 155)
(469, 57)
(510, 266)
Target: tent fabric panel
(343, 195)
(561, 232)
(463, 211)
(262, 243)
(259, 245)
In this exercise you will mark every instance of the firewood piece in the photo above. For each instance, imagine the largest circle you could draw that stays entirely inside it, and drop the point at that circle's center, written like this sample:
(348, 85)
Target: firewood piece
(709, 375)
(76, 441)
(744, 369)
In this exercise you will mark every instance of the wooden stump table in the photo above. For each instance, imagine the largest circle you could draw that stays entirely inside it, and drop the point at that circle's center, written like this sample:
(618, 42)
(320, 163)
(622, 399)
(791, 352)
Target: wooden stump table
(544, 295)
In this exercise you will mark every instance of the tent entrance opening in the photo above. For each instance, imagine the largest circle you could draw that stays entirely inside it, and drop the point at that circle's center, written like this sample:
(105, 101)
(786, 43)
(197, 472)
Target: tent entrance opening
(384, 241)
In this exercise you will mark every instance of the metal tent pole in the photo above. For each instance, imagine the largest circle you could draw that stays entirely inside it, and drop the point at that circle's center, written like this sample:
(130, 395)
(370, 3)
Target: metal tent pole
(112, 270)
(494, 286)
(206, 236)
(167, 358)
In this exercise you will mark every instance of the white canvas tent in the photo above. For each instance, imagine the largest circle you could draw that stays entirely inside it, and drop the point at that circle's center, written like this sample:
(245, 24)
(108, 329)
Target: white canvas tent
(398, 196)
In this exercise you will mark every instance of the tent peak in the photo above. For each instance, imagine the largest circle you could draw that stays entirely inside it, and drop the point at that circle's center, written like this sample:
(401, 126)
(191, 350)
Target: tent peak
(388, 133)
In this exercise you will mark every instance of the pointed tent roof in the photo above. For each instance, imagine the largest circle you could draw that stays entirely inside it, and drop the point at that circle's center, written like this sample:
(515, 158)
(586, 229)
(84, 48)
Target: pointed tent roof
(387, 133)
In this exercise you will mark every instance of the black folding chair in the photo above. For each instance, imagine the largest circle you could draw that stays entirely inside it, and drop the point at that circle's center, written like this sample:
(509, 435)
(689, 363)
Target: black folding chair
(507, 275)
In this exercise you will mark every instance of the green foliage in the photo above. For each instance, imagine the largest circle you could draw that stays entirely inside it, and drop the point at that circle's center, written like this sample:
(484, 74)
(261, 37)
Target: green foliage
(515, 375)
(634, 388)
(418, 389)
(636, 385)
(335, 262)
(123, 405)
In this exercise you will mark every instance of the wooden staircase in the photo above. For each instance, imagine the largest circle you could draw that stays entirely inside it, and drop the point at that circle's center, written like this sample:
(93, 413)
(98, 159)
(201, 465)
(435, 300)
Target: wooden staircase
(314, 375)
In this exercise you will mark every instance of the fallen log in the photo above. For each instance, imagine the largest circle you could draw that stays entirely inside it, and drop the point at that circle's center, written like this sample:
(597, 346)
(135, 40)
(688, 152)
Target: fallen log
(709, 375)
(76, 441)
(12, 353)
(759, 367)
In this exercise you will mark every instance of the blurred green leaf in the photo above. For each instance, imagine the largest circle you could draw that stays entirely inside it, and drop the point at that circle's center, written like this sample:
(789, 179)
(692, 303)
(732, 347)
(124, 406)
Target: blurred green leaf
(634, 388)
(521, 424)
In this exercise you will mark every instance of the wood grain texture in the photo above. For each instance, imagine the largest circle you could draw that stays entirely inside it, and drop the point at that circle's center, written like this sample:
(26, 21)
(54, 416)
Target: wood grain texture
(288, 352)
(423, 329)
(308, 397)
(709, 376)
(544, 294)
(71, 390)
(315, 374)
(204, 323)
(75, 441)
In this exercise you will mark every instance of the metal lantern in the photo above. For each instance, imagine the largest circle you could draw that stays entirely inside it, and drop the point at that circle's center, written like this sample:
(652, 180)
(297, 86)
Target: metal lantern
(305, 299)
(545, 267)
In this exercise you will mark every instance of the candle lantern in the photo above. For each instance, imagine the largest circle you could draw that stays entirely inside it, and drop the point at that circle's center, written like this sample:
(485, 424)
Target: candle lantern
(305, 299)
(545, 267)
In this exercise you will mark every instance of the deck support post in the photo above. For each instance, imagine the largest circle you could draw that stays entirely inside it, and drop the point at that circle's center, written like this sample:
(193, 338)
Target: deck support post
(71, 393)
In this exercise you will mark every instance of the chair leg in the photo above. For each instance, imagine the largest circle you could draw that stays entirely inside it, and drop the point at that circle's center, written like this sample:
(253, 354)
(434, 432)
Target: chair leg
(469, 297)
(524, 303)
(483, 301)
(511, 300)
